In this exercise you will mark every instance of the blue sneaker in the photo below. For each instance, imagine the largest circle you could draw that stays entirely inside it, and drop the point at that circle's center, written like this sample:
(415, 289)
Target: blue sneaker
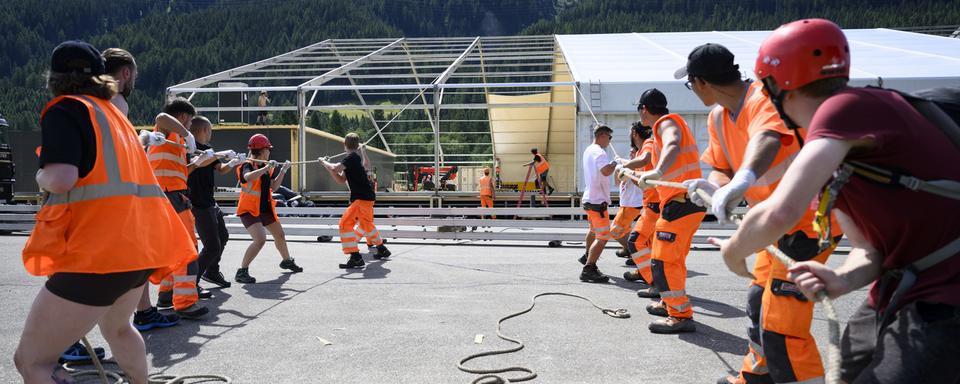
(77, 352)
(151, 318)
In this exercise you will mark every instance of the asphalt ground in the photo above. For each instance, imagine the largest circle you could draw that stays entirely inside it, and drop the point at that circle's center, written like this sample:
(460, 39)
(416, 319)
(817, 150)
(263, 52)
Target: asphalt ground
(412, 318)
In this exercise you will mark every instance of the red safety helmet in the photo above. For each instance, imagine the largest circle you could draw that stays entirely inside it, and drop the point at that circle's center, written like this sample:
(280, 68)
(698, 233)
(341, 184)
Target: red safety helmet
(801, 52)
(259, 141)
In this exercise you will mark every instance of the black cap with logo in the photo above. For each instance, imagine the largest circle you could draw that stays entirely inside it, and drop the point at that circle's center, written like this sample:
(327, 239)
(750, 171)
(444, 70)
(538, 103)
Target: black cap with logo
(708, 60)
(652, 98)
(77, 56)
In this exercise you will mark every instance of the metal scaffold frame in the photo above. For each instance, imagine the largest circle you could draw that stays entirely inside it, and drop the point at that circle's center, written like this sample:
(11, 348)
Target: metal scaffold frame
(384, 74)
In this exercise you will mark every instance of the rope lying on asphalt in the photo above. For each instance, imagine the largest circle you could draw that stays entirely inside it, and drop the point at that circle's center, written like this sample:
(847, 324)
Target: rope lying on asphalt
(832, 375)
(492, 376)
(117, 375)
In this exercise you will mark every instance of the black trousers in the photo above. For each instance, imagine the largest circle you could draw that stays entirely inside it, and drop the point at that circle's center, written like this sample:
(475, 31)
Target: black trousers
(213, 234)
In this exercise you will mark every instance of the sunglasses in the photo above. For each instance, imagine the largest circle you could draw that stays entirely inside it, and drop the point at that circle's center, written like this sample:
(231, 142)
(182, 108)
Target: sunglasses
(689, 85)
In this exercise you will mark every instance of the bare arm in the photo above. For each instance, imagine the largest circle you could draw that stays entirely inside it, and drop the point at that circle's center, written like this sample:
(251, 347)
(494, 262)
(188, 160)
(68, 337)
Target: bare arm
(862, 266)
(335, 170)
(608, 169)
(57, 177)
(639, 161)
(252, 175)
(166, 124)
(278, 180)
(719, 177)
(761, 151)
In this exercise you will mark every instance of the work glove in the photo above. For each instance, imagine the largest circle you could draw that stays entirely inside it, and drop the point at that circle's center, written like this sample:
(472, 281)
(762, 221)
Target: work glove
(272, 164)
(207, 155)
(151, 139)
(191, 143)
(727, 197)
(619, 160)
(227, 155)
(619, 166)
(702, 184)
(286, 166)
(235, 162)
(648, 175)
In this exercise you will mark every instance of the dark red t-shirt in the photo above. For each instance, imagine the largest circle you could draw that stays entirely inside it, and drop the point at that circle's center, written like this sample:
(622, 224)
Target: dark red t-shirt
(901, 224)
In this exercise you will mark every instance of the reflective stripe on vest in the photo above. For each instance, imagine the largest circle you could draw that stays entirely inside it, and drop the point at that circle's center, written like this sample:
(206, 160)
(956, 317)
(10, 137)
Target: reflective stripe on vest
(167, 156)
(245, 189)
(114, 186)
(169, 173)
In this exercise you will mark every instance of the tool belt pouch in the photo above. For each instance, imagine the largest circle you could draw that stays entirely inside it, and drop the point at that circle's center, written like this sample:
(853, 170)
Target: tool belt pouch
(674, 209)
(599, 208)
(179, 200)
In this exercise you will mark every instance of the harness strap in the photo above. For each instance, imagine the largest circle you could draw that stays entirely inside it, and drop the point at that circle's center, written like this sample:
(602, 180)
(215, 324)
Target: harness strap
(908, 277)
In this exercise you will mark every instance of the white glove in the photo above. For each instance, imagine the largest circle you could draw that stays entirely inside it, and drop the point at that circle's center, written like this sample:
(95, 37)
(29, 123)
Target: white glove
(191, 143)
(619, 160)
(227, 155)
(648, 175)
(272, 164)
(151, 139)
(144, 137)
(237, 160)
(702, 184)
(207, 155)
(286, 166)
(727, 197)
(619, 167)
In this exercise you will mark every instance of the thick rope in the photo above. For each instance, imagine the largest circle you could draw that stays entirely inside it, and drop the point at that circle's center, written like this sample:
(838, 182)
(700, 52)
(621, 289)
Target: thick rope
(492, 376)
(832, 375)
(595, 120)
(117, 375)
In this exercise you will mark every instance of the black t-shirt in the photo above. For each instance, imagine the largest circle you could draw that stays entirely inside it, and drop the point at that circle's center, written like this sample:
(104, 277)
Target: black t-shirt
(67, 137)
(201, 183)
(265, 206)
(360, 186)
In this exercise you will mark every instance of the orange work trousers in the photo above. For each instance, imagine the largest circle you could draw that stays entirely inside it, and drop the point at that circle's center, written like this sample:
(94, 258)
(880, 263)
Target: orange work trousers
(358, 214)
(782, 349)
(183, 280)
(679, 220)
(623, 221)
(640, 241)
(487, 202)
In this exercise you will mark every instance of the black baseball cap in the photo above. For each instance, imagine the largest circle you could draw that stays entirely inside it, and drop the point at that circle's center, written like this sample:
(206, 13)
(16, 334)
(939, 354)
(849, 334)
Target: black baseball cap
(708, 60)
(77, 56)
(652, 98)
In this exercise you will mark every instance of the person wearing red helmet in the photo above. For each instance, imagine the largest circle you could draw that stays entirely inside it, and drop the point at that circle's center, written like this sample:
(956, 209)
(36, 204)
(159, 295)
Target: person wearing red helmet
(256, 208)
(894, 231)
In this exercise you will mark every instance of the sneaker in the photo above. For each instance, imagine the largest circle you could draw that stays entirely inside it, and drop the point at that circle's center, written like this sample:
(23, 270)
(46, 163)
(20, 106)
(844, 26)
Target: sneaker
(658, 309)
(591, 274)
(203, 293)
(650, 292)
(146, 320)
(630, 262)
(291, 265)
(355, 261)
(243, 276)
(672, 325)
(165, 300)
(382, 252)
(583, 259)
(634, 276)
(623, 252)
(193, 312)
(216, 278)
(77, 352)
(550, 191)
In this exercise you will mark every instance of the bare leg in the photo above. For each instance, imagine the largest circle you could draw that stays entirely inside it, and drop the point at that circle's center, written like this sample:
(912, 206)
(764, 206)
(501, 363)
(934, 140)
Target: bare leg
(125, 342)
(279, 239)
(588, 242)
(623, 241)
(144, 303)
(53, 324)
(259, 236)
(595, 251)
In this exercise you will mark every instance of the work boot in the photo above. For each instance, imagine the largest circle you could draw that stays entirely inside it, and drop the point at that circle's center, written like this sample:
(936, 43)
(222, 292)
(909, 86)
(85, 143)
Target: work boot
(658, 309)
(672, 325)
(216, 278)
(591, 274)
(203, 293)
(550, 191)
(634, 276)
(291, 265)
(382, 252)
(193, 312)
(151, 318)
(650, 292)
(630, 262)
(355, 261)
(583, 259)
(243, 276)
(623, 252)
(165, 300)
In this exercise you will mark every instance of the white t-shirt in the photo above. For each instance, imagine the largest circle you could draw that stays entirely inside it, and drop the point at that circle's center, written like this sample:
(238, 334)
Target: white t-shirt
(597, 189)
(630, 194)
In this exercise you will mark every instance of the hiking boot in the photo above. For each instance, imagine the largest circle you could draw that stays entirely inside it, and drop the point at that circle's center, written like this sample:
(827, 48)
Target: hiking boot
(193, 312)
(243, 276)
(355, 261)
(77, 352)
(203, 293)
(591, 274)
(291, 265)
(634, 276)
(583, 259)
(630, 262)
(623, 252)
(672, 325)
(658, 309)
(382, 252)
(650, 292)
(149, 319)
(165, 300)
(216, 278)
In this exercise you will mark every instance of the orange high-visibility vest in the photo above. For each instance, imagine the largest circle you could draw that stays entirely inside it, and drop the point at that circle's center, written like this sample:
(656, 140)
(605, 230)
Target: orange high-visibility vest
(686, 166)
(649, 146)
(114, 219)
(485, 189)
(169, 162)
(250, 195)
(543, 165)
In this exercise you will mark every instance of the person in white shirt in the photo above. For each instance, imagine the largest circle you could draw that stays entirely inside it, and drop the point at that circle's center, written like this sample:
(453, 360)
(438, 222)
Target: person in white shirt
(597, 168)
